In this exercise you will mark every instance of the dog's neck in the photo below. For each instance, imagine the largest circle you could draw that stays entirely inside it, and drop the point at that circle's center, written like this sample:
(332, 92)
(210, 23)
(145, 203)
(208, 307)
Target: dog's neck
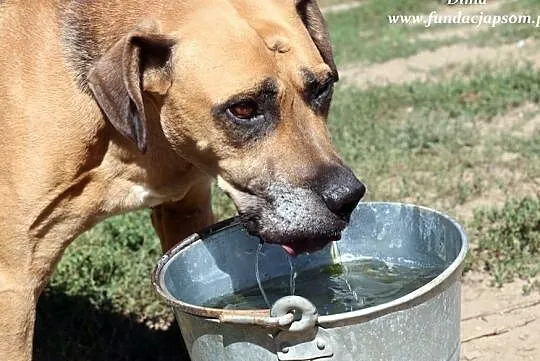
(103, 174)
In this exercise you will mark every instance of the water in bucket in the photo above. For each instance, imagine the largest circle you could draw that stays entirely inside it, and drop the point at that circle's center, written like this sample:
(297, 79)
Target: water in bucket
(336, 288)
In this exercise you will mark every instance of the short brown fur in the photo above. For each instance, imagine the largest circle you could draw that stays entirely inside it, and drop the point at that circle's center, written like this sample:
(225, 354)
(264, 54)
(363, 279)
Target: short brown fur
(105, 107)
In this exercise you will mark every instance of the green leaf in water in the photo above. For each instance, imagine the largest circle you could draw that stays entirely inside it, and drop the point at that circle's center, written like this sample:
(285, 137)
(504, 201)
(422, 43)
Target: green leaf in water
(335, 269)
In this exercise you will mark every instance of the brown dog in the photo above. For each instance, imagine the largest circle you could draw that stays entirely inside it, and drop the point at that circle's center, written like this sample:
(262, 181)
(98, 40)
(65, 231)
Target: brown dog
(112, 106)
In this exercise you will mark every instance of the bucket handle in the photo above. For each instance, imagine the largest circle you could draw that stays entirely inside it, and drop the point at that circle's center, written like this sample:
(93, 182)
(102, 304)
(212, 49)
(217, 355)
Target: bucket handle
(291, 313)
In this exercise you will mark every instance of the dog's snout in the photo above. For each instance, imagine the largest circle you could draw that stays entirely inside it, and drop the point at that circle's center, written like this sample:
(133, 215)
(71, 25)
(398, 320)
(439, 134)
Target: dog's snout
(342, 191)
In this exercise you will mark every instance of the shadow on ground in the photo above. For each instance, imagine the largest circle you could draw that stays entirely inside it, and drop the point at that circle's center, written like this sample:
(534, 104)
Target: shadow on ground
(71, 328)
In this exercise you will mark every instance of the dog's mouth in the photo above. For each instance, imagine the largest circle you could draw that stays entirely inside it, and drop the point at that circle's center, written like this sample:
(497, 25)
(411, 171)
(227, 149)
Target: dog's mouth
(295, 239)
(295, 218)
(294, 249)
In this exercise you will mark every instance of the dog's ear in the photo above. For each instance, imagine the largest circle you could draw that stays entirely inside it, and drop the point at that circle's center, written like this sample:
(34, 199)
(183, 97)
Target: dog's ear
(138, 63)
(318, 30)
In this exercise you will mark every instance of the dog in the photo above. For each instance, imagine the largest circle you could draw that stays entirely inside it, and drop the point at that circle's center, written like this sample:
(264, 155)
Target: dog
(112, 106)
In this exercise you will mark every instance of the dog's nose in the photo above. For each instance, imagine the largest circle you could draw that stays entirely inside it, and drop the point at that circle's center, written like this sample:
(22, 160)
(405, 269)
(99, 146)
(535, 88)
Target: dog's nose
(342, 191)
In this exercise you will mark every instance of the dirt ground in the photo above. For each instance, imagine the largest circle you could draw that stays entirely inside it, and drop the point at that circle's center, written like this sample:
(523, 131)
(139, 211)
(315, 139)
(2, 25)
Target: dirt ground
(441, 63)
(498, 324)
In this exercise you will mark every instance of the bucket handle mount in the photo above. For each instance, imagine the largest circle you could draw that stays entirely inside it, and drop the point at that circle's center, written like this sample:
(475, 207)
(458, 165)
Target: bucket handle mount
(291, 313)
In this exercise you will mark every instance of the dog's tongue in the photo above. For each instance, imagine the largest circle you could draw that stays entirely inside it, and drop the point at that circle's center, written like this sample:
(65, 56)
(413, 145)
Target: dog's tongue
(295, 249)
(290, 251)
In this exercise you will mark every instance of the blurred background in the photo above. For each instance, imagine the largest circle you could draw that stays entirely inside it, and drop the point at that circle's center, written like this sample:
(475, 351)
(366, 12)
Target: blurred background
(446, 117)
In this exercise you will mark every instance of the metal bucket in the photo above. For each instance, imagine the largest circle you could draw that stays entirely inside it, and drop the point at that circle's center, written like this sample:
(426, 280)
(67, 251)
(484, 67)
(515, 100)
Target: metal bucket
(420, 326)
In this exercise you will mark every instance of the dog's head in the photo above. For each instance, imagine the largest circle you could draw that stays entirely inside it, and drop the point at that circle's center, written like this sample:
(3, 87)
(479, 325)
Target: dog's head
(242, 89)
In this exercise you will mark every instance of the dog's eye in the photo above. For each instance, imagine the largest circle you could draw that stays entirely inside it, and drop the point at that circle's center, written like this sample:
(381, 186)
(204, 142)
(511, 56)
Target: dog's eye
(244, 110)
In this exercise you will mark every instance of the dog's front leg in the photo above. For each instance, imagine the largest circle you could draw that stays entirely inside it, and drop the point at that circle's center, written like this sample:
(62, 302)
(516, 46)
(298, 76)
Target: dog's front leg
(174, 221)
(17, 313)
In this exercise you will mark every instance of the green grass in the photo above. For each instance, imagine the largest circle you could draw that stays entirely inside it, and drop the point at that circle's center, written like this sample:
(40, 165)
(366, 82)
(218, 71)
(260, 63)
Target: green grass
(323, 3)
(100, 299)
(364, 35)
(113, 262)
(400, 138)
(510, 33)
(507, 241)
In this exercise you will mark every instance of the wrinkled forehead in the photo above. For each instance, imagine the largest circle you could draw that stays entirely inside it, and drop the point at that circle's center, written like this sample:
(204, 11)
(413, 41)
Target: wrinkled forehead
(232, 45)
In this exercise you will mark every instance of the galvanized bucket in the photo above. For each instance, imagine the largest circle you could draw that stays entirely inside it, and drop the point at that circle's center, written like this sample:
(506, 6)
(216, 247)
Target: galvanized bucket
(420, 326)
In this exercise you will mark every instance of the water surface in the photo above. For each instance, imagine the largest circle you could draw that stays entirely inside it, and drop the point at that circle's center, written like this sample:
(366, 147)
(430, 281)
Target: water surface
(336, 288)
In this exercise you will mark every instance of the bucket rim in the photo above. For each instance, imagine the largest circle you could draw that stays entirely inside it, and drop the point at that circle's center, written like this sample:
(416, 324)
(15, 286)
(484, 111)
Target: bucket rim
(439, 283)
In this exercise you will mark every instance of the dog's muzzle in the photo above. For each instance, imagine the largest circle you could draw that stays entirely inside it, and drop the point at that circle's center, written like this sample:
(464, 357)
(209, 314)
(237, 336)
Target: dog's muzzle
(300, 219)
